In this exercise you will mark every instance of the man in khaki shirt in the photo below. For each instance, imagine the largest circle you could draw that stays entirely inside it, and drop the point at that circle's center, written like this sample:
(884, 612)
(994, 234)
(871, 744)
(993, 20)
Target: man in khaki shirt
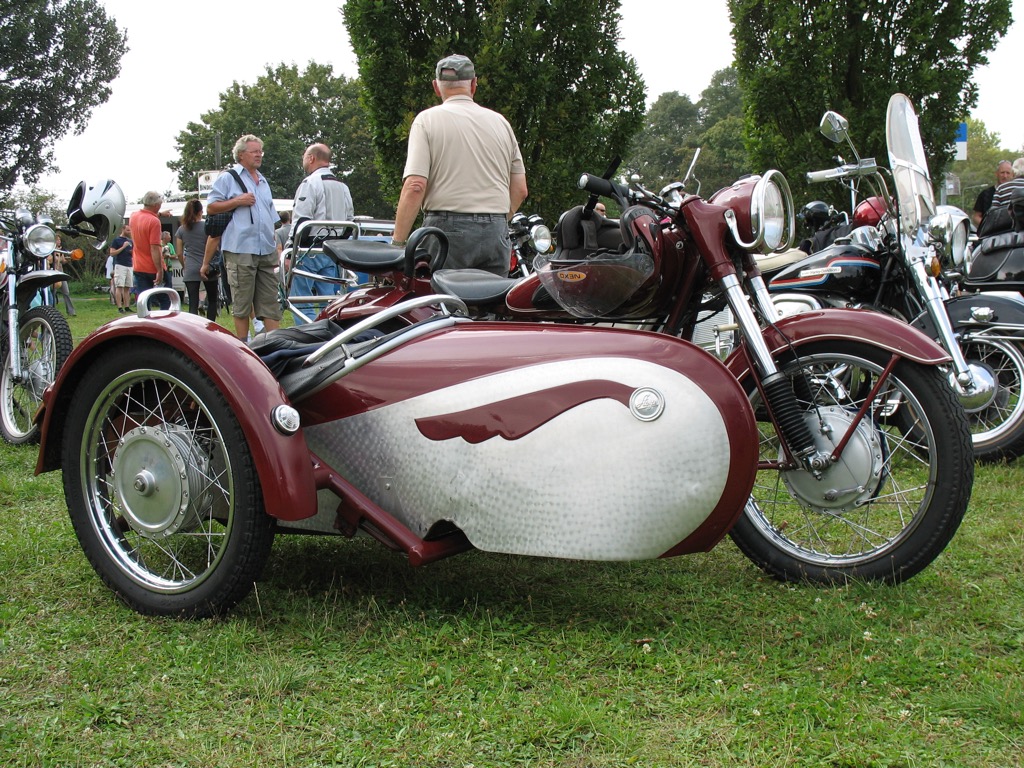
(464, 169)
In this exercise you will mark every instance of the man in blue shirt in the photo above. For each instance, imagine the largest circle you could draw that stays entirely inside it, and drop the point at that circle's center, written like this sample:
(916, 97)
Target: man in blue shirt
(248, 244)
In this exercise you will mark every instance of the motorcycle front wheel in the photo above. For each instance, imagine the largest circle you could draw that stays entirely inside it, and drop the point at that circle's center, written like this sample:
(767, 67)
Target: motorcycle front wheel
(896, 495)
(997, 425)
(161, 486)
(44, 344)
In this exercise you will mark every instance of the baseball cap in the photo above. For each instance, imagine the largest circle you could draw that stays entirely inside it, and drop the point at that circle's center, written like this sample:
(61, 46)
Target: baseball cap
(454, 67)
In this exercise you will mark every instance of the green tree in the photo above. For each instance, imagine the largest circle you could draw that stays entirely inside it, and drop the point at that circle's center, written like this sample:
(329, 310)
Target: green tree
(675, 127)
(56, 62)
(798, 58)
(552, 67)
(663, 148)
(288, 110)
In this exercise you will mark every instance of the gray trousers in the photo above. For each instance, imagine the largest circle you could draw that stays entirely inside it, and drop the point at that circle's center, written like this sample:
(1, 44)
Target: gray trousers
(475, 240)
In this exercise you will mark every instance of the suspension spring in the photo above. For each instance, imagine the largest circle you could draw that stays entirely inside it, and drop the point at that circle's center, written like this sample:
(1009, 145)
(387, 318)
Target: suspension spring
(788, 415)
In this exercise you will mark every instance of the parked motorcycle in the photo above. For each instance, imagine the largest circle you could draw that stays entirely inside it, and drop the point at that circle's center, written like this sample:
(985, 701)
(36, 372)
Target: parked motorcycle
(530, 236)
(905, 256)
(828, 444)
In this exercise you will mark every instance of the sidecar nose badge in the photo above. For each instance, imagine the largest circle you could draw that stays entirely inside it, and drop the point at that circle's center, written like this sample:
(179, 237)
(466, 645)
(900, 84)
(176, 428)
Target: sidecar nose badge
(286, 419)
(647, 403)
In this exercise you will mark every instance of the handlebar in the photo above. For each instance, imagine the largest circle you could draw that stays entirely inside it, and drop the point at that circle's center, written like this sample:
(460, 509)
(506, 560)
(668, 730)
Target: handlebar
(597, 186)
(864, 167)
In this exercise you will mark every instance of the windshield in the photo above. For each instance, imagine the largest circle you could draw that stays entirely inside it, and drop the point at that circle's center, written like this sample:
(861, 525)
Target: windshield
(909, 166)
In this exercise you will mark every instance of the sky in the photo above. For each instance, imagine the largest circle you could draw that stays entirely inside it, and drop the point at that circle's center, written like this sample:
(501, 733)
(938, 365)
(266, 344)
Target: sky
(183, 53)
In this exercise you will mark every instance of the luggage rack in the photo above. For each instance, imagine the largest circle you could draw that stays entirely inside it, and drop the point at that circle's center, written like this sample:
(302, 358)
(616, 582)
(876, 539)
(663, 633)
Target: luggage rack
(346, 352)
(309, 239)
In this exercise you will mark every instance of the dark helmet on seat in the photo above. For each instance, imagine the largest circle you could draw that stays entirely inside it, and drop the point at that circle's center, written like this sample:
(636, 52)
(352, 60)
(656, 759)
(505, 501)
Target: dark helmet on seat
(815, 214)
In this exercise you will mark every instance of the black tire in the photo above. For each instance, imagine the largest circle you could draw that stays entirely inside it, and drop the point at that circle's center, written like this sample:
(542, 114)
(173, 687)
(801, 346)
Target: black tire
(45, 344)
(997, 426)
(161, 485)
(896, 497)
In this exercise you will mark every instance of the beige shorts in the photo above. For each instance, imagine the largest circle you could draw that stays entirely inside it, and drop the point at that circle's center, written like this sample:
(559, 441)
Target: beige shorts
(254, 285)
(123, 276)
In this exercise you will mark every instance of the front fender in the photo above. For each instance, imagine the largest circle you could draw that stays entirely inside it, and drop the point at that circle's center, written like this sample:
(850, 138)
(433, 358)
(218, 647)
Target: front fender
(1006, 311)
(866, 326)
(31, 282)
(283, 462)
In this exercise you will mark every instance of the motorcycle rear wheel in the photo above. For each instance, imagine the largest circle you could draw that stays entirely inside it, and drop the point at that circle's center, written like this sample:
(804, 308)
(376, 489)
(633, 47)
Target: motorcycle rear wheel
(896, 496)
(161, 486)
(45, 344)
(997, 428)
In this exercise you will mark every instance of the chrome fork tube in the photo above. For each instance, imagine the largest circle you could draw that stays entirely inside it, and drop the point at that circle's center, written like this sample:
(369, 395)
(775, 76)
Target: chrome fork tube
(749, 327)
(13, 340)
(936, 308)
(777, 389)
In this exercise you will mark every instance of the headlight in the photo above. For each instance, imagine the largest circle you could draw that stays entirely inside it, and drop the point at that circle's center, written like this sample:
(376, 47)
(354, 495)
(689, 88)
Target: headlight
(949, 229)
(40, 240)
(760, 215)
(540, 238)
(771, 217)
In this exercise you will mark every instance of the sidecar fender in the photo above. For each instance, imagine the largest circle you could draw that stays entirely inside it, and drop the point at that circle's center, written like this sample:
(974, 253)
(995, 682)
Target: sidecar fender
(283, 462)
(1006, 310)
(867, 326)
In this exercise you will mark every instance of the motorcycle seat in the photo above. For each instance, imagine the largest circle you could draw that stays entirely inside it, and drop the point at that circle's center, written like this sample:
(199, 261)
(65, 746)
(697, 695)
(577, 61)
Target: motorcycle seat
(1000, 242)
(776, 262)
(998, 263)
(473, 286)
(366, 255)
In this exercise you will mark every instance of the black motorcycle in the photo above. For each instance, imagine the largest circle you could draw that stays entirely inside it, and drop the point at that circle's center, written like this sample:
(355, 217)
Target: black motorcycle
(905, 256)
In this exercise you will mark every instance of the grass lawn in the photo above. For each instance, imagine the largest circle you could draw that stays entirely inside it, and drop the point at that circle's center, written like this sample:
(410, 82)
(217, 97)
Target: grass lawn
(346, 656)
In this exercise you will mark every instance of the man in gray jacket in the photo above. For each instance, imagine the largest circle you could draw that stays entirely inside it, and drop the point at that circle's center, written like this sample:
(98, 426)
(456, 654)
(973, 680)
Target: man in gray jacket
(320, 197)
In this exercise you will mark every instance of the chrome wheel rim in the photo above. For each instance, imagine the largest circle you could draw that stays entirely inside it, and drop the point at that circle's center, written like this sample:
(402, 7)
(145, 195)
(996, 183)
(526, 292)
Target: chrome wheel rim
(158, 480)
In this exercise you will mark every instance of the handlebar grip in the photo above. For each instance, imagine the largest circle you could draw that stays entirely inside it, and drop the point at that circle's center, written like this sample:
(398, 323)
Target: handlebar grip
(815, 177)
(596, 185)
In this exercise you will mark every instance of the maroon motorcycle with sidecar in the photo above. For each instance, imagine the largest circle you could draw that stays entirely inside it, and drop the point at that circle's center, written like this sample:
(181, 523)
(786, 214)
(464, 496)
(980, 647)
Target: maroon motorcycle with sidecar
(829, 444)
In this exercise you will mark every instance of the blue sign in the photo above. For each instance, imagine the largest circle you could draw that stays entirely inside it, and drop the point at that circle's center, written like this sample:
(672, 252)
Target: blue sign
(961, 132)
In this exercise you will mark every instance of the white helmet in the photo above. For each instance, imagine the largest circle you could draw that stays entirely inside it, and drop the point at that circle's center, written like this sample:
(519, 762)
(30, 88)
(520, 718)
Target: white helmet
(97, 209)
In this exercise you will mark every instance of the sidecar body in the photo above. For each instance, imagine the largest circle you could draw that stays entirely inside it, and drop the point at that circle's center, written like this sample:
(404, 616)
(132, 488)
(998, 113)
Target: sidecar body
(561, 441)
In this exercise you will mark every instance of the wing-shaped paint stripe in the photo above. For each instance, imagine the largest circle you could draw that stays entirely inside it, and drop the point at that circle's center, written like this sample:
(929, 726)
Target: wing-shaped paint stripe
(518, 416)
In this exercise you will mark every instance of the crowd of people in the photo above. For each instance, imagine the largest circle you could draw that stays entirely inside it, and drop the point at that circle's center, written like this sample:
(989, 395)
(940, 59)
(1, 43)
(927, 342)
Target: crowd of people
(464, 173)
(993, 201)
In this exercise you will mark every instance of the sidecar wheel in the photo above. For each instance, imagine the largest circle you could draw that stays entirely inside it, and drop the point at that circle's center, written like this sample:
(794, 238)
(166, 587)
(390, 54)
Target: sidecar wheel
(997, 426)
(161, 485)
(897, 495)
(45, 344)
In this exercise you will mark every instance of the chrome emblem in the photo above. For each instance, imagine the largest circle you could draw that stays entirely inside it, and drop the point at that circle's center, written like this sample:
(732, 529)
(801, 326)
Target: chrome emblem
(646, 404)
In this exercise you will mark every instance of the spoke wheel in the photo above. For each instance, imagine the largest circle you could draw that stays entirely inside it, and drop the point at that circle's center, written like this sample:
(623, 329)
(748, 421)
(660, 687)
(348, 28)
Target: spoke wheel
(997, 426)
(44, 345)
(161, 486)
(895, 497)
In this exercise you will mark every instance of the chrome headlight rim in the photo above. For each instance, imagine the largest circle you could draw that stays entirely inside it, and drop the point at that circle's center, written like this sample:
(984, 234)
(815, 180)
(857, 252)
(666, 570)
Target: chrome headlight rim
(540, 238)
(774, 232)
(40, 240)
(763, 224)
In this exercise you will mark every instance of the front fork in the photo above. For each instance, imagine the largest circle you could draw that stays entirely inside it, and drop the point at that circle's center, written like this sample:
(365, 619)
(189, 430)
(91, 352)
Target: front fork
(776, 388)
(13, 337)
(971, 388)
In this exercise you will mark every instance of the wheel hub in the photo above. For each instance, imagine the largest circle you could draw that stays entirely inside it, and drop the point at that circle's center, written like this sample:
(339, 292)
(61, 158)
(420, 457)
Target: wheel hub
(852, 480)
(983, 392)
(159, 477)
